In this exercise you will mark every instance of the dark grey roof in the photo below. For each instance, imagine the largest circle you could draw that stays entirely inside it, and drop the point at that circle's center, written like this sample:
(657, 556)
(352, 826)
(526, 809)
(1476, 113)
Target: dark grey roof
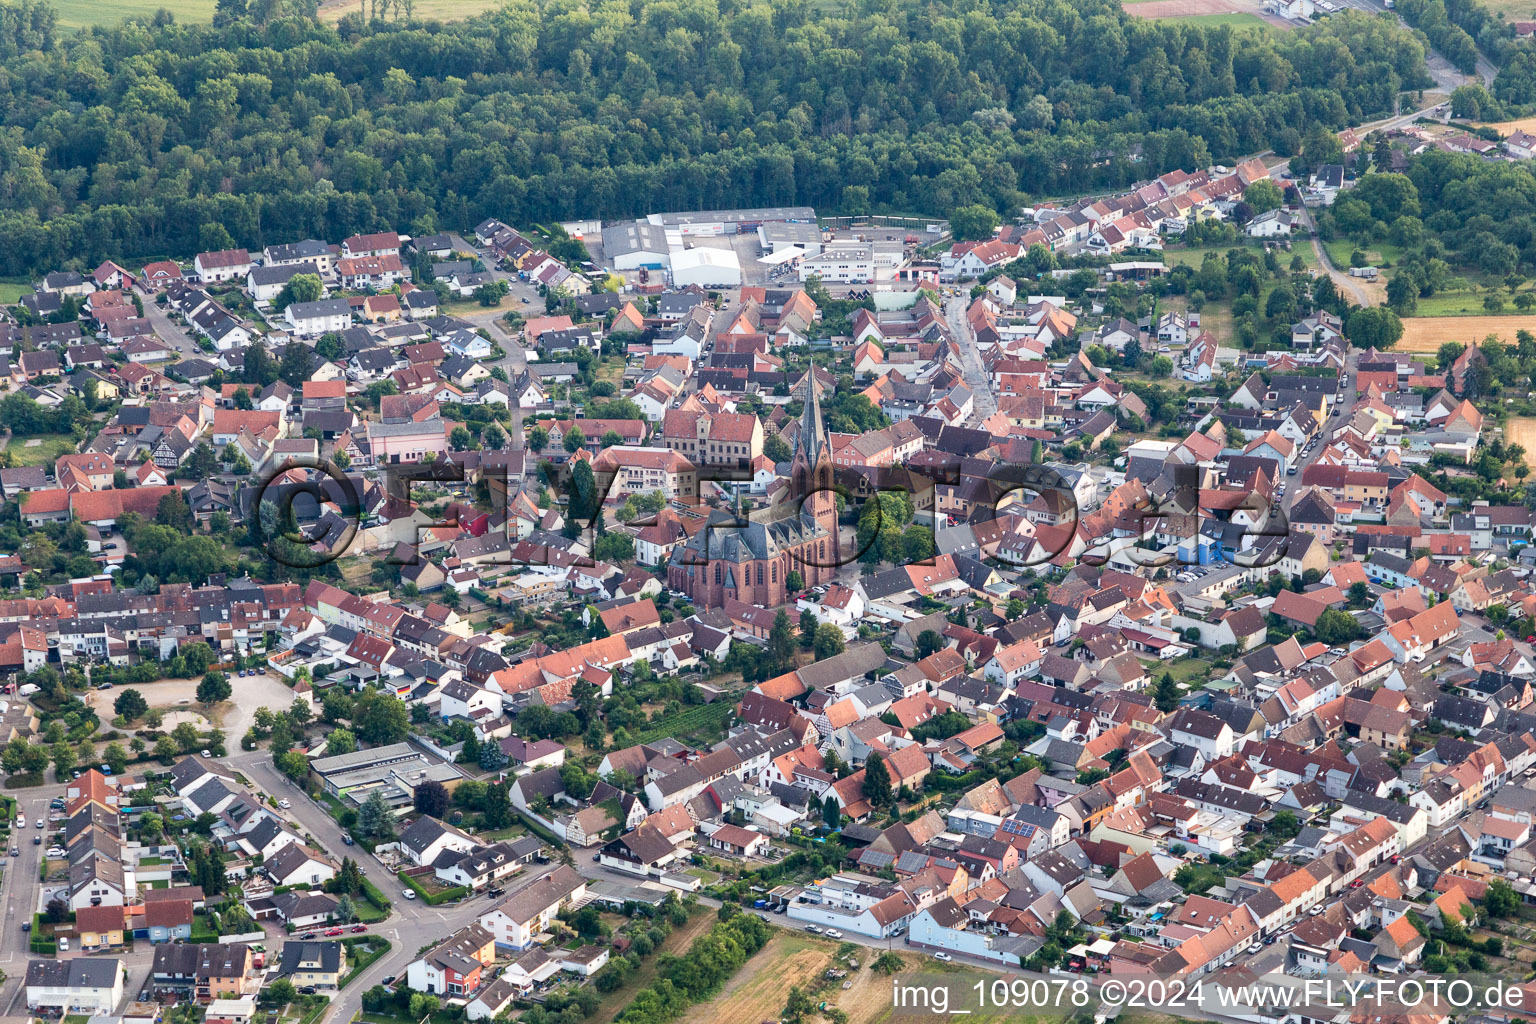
(81, 972)
(326, 954)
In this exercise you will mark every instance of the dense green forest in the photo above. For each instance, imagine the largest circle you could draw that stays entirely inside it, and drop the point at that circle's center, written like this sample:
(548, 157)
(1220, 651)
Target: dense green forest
(154, 138)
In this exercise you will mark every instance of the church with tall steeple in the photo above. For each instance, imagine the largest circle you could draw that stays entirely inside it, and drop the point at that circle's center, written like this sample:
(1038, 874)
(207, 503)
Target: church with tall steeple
(751, 561)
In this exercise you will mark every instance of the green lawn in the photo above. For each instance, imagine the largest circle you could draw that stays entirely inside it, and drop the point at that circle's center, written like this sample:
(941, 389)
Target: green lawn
(1238, 20)
(11, 291)
(1468, 303)
(53, 445)
(1381, 254)
(1185, 671)
(82, 14)
(362, 951)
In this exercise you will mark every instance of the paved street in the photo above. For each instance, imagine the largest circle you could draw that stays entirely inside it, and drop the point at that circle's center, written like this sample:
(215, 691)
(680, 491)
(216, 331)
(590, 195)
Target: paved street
(976, 376)
(21, 891)
(172, 333)
(1336, 419)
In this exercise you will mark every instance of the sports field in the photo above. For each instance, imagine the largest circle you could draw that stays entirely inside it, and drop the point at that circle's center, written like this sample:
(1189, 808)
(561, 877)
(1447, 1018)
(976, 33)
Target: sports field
(1204, 12)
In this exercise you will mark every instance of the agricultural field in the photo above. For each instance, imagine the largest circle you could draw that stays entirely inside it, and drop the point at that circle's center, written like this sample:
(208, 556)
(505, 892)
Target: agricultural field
(1511, 10)
(1521, 430)
(1428, 333)
(83, 14)
(701, 719)
(758, 991)
(422, 10)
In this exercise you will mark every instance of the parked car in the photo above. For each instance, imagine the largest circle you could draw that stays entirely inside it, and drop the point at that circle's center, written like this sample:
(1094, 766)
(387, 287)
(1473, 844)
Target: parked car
(63, 945)
(331, 933)
(346, 838)
(309, 935)
(37, 840)
(833, 933)
(359, 928)
(409, 894)
(284, 804)
(26, 926)
(945, 957)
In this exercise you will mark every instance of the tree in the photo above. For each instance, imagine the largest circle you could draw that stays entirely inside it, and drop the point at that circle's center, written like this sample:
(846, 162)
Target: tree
(1373, 327)
(165, 749)
(375, 819)
(574, 440)
(492, 758)
(380, 719)
(300, 288)
(776, 448)
(928, 642)
(1359, 594)
(831, 811)
(1262, 196)
(794, 582)
(493, 437)
(130, 705)
(461, 439)
(497, 812)
(213, 688)
(340, 741)
(781, 641)
(173, 511)
(297, 364)
(877, 781)
(1500, 899)
(116, 757)
(973, 223)
(243, 400)
(187, 737)
(346, 909)
(1166, 694)
(278, 993)
(430, 798)
(798, 1006)
(828, 641)
(64, 759)
(808, 625)
(1336, 627)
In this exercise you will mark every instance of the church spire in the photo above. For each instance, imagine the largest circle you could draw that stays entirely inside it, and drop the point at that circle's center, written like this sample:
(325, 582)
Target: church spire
(813, 432)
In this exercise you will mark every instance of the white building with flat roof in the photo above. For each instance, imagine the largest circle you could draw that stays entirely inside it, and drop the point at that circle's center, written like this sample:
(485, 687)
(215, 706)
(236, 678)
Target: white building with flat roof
(706, 267)
(841, 263)
(781, 235)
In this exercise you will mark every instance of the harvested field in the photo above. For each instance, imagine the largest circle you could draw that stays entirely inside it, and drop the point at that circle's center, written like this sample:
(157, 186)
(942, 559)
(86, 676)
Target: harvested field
(1521, 430)
(1428, 333)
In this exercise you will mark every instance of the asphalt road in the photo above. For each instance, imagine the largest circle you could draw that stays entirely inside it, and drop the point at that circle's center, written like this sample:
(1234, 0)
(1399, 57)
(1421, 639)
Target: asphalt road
(1336, 419)
(22, 892)
(976, 376)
